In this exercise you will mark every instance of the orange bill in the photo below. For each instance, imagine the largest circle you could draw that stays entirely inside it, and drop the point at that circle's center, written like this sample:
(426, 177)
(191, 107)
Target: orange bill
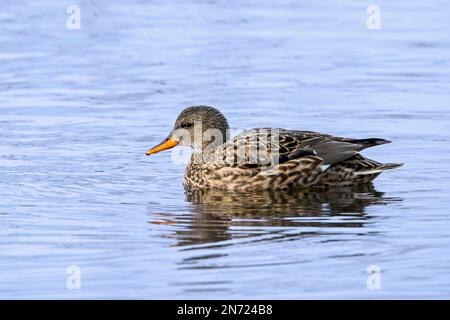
(166, 144)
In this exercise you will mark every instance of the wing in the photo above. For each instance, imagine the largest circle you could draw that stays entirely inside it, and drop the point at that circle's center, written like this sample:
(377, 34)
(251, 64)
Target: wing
(332, 149)
(264, 147)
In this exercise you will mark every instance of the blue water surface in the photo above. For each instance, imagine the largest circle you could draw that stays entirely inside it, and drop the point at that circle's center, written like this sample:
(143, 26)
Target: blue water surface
(79, 108)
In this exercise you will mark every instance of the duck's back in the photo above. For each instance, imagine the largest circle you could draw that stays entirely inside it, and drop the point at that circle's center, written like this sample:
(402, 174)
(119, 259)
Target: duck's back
(275, 158)
(280, 145)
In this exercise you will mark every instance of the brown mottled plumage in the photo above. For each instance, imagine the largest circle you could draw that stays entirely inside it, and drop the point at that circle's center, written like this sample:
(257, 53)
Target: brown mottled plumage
(267, 158)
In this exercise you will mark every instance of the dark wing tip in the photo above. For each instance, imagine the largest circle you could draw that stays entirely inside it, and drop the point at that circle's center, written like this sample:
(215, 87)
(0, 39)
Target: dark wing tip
(370, 142)
(381, 141)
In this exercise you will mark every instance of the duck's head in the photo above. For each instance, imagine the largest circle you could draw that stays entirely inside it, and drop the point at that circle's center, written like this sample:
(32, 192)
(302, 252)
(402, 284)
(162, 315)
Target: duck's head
(200, 127)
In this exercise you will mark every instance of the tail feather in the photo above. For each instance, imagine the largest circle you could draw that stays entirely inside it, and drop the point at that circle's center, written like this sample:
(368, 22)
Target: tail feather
(388, 166)
(357, 169)
(378, 169)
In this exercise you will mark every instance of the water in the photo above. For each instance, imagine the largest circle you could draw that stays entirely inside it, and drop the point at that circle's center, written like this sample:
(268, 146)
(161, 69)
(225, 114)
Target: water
(79, 108)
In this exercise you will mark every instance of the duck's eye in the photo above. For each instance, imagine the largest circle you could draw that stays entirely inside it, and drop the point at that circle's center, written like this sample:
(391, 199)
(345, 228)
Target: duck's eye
(186, 125)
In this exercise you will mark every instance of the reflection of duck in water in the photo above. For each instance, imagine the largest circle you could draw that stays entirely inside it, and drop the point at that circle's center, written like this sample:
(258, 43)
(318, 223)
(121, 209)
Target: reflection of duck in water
(261, 159)
(215, 211)
(286, 203)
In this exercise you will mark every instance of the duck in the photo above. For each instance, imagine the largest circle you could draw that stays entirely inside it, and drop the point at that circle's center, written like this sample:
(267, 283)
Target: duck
(267, 158)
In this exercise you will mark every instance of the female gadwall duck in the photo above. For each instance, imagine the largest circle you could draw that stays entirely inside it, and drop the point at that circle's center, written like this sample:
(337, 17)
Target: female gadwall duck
(267, 158)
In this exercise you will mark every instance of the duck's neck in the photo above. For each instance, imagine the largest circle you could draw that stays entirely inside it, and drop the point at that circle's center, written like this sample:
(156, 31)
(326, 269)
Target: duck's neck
(205, 152)
(197, 158)
(204, 155)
